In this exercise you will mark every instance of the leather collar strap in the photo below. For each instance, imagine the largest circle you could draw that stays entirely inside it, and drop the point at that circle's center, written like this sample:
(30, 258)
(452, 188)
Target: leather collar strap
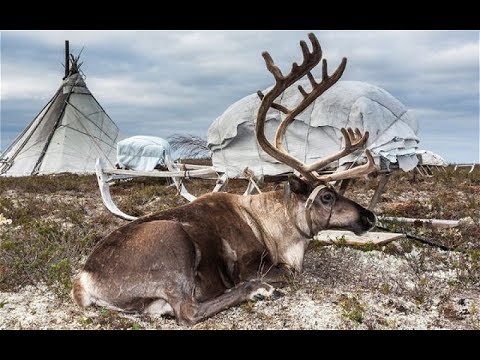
(313, 195)
(308, 206)
(308, 215)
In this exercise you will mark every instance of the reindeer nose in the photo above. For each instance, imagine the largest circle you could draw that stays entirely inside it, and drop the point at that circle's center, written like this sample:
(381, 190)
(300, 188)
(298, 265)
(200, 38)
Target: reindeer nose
(369, 218)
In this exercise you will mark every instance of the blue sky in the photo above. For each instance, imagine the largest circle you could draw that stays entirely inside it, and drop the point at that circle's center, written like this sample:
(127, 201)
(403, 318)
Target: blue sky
(165, 82)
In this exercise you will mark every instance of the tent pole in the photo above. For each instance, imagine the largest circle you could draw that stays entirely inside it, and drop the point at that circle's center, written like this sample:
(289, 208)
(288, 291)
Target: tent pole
(381, 186)
(67, 59)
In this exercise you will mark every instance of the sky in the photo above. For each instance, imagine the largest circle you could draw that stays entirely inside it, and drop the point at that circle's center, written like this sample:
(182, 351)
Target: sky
(165, 82)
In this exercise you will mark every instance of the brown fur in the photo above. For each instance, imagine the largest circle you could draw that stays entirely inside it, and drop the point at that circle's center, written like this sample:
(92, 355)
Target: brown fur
(189, 256)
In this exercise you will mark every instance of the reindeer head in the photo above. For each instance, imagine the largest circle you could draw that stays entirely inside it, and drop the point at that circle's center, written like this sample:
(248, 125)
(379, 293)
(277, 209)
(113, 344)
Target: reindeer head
(323, 207)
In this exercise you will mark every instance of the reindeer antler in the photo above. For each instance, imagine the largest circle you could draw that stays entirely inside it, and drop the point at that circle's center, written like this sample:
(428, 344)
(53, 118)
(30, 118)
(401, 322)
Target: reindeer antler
(353, 139)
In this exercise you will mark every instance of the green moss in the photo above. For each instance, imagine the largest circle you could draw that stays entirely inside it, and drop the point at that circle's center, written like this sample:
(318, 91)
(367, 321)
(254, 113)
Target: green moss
(352, 309)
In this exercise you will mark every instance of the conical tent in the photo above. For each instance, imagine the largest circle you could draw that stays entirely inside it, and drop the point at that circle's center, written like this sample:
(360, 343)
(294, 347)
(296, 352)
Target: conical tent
(68, 135)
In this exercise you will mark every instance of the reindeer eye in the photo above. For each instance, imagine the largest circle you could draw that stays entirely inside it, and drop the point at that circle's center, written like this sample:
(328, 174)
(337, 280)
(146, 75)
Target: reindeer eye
(327, 198)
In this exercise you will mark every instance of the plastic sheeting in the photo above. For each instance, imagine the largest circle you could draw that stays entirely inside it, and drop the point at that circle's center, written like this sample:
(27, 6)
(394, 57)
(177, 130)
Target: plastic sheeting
(428, 157)
(68, 135)
(142, 153)
(315, 133)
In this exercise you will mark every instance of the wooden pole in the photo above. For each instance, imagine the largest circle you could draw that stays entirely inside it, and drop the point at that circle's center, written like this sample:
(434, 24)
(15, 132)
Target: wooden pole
(436, 223)
(381, 186)
(67, 59)
(343, 186)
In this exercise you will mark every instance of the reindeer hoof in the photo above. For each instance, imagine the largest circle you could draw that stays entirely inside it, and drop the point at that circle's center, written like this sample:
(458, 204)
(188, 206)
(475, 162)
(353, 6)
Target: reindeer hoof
(261, 291)
(277, 294)
(258, 297)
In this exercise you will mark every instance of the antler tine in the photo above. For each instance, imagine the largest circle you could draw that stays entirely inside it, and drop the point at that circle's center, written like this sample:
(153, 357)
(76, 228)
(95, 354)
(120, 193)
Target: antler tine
(302, 91)
(351, 134)
(305, 51)
(356, 137)
(308, 98)
(357, 132)
(355, 172)
(312, 79)
(347, 138)
(324, 69)
(309, 57)
(274, 69)
(274, 105)
(312, 82)
(359, 139)
(351, 144)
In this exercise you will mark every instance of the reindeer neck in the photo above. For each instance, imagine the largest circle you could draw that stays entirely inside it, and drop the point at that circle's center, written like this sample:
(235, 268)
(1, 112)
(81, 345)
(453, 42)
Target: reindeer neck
(268, 216)
(267, 208)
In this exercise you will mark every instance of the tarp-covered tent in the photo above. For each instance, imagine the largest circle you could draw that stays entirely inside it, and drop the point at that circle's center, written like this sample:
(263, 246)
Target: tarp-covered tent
(427, 157)
(315, 133)
(68, 135)
(142, 153)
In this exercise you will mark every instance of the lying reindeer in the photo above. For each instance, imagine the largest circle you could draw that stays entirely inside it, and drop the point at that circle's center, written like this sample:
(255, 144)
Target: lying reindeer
(222, 249)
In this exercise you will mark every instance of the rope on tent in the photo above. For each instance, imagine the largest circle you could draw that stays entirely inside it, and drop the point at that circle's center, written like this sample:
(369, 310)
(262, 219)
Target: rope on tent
(222, 152)
(373, 140)
(259, 159)
(101, 107)
(8, 164)
(397, 118)
(250, 176)
(87, 117)
(82, 74)
(308, 132)
(81, 132)
(36, 168)
(93, 138)
(306, 140)
(27, 149)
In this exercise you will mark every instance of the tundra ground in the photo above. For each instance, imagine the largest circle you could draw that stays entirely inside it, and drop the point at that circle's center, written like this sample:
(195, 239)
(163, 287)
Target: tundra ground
(56, 220)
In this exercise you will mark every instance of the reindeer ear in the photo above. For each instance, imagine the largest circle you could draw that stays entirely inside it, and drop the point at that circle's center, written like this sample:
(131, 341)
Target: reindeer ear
(298, 186)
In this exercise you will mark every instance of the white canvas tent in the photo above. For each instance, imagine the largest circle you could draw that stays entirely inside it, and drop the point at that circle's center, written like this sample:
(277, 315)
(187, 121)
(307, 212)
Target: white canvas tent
(68, 135)
(316, 132)
(429, 158)
(143, 153)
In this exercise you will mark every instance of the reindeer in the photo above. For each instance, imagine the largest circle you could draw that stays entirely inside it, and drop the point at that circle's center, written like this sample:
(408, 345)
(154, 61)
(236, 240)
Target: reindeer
(223, 249)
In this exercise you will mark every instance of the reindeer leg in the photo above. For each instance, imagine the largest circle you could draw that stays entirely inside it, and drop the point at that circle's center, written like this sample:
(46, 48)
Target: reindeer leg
(191, 312)
(278, 275)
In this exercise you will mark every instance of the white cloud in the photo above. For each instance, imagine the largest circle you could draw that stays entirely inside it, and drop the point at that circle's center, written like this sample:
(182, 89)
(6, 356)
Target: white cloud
(20, 82)
(126, 90)
(95, 38)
